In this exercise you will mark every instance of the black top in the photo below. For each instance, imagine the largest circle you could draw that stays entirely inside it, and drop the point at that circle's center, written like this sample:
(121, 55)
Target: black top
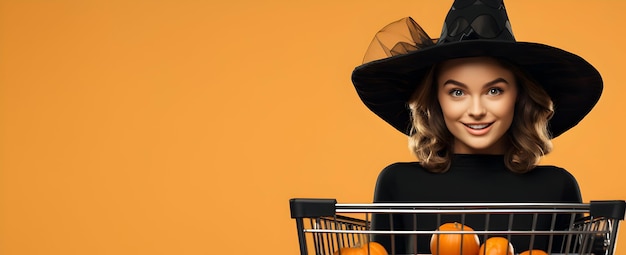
(471, 178)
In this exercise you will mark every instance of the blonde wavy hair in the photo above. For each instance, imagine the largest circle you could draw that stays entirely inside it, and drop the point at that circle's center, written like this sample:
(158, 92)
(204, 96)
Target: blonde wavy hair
(529, 139)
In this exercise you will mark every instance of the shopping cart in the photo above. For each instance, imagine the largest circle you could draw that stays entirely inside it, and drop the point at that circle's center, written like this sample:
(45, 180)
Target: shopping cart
(325, 226)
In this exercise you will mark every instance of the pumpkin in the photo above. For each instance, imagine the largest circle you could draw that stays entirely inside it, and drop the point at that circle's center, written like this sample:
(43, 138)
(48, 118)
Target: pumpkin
(534, 252)
(374, 249)
(454, 244)
(496, 246)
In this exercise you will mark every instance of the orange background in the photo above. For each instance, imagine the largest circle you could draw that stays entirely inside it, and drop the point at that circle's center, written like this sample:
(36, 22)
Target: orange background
(184, 127)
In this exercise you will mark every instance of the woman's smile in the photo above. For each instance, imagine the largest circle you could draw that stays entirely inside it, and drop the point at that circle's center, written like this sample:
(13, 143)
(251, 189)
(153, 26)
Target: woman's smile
(478, 129)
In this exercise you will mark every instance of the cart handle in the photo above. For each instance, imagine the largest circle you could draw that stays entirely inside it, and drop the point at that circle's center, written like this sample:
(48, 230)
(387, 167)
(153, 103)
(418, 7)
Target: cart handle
(613, 209)
(320, 207)
(312, 207)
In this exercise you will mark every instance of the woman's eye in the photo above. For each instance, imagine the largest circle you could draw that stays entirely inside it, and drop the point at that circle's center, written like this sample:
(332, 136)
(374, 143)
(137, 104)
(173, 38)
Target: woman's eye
(494, 91)
(456, 93)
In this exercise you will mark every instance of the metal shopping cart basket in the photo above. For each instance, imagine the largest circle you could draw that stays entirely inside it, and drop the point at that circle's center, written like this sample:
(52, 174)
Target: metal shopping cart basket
(325, 226)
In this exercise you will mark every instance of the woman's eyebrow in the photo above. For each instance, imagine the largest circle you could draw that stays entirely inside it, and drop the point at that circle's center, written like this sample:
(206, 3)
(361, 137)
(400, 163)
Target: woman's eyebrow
(458, 83)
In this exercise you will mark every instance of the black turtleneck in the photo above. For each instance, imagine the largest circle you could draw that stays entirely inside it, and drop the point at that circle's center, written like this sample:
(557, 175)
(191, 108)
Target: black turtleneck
(471, 178)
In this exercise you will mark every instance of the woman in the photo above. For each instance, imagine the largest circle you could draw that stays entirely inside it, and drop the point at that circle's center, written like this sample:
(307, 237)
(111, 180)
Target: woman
(480, 109)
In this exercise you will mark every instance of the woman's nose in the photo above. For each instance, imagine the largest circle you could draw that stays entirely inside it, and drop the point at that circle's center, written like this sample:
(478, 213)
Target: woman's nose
(477, 109)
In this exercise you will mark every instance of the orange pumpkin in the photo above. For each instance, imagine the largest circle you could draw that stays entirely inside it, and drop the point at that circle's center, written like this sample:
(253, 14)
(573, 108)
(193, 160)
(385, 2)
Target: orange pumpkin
(496, 246)
(534, 252)
(454, 244)
(374, 249)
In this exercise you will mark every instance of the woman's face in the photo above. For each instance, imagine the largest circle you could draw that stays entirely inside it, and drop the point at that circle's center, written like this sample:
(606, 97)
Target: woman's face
(477, 97)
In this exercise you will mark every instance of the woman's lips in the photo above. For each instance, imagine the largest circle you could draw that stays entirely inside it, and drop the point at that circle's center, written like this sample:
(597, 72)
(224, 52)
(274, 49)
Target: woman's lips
(478, 128)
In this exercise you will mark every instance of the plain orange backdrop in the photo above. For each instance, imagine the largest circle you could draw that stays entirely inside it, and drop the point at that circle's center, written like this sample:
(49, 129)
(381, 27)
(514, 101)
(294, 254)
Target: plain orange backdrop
(184, 127)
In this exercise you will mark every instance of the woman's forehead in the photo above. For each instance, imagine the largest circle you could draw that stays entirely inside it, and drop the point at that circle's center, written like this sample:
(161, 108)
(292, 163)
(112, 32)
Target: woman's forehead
(473, 70)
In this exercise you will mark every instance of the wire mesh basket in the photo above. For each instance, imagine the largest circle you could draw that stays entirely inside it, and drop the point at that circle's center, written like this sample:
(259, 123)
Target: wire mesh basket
(326, 227)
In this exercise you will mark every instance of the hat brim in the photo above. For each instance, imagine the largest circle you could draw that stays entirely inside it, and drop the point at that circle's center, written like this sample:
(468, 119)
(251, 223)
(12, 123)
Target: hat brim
(574, 85)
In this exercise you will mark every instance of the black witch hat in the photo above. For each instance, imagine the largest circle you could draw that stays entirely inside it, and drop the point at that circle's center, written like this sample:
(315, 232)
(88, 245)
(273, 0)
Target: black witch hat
(401, 54)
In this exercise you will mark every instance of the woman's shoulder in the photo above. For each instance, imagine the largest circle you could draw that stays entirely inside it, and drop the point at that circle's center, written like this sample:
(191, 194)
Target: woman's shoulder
(399, 167)
(411, 164)
(551, 170)
(402, 170)
(554, 175)
(558, 180)
(400, 179)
